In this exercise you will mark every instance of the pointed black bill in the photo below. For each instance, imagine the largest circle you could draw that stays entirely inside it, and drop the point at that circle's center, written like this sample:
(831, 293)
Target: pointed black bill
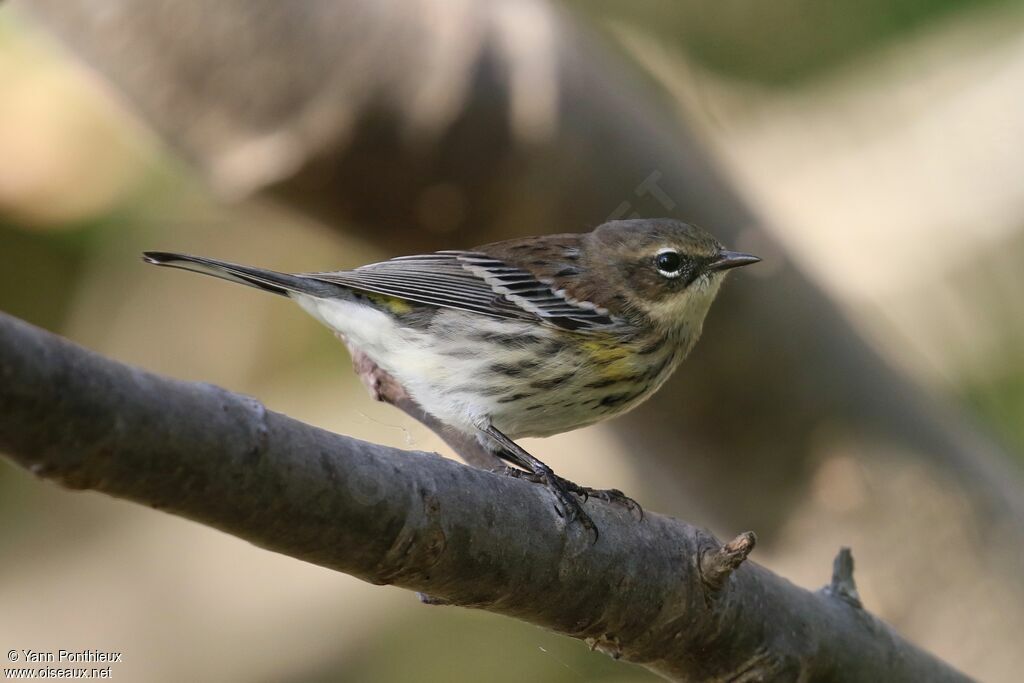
(731, 259)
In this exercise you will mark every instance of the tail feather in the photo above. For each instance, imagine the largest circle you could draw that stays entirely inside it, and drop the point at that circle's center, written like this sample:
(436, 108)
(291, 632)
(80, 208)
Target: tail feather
(267, 280)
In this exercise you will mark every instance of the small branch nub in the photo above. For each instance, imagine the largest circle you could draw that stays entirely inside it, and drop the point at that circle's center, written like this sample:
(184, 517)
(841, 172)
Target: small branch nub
(842, 585)
(716, 565)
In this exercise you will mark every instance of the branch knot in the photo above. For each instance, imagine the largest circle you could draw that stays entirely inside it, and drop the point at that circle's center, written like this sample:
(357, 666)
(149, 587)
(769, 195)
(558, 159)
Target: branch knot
(718, 563)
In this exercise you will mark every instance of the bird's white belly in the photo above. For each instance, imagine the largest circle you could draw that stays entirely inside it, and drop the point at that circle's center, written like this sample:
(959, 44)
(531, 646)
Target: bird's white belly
(412, 356)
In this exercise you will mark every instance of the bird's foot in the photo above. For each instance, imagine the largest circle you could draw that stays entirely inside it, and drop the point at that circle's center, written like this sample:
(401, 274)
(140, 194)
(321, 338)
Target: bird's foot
(569, 506)
(613, 496)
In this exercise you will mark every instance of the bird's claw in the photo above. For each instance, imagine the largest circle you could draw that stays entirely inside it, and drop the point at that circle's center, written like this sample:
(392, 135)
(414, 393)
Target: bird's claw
(615, 497)
(563, 490)
(572, 509)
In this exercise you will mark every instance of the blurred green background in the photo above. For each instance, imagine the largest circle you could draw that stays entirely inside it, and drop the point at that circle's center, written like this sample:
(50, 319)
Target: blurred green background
(901, 125)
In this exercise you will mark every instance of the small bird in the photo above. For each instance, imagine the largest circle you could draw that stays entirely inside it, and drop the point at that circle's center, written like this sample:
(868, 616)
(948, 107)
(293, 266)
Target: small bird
(525, 337)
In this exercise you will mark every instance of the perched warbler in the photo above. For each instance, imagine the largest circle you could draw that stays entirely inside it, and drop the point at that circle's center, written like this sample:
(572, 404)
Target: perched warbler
(526, 337)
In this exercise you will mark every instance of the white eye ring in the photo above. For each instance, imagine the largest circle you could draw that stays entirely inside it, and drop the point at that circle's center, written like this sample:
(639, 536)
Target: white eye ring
(669, 273)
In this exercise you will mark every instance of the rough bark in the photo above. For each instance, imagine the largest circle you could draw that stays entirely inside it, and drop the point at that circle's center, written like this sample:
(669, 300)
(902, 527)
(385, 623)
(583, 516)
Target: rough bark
(658, 592)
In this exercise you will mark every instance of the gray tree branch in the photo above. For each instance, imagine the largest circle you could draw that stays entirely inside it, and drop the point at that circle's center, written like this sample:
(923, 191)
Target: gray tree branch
(658, 592)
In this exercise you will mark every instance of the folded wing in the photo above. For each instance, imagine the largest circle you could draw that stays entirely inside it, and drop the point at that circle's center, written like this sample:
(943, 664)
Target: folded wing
(477, 283)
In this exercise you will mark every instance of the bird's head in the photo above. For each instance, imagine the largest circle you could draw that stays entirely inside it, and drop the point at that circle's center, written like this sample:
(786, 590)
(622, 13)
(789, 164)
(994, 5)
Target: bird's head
(665, 269)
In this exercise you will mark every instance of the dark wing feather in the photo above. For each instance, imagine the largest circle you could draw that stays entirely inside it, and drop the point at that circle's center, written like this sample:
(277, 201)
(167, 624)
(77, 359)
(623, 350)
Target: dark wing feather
(473, 282)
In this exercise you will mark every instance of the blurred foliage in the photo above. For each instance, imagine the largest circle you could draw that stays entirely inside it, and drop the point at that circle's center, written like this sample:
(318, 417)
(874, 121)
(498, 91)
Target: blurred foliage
(999, 401)
(42, 262)
(39, 272)
(779, 42)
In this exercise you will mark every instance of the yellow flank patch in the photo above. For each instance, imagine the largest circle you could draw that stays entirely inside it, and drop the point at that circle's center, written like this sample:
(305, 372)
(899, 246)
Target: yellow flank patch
(613, 359)
(391, 304)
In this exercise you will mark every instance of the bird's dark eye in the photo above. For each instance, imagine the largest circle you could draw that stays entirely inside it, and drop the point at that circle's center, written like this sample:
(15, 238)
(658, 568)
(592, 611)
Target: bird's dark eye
(668, 263)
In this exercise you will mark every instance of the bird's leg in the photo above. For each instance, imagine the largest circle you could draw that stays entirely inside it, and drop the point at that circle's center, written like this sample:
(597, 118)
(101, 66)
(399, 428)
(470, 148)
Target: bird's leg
(536, 470)
(614, 496)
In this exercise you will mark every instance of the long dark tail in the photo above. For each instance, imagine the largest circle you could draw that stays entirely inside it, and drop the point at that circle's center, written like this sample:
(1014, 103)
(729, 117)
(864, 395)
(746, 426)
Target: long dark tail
(267, 280)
